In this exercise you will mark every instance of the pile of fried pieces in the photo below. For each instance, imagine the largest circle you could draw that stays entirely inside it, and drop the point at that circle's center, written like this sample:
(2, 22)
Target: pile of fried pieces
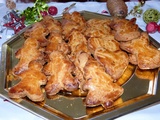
(74, 53)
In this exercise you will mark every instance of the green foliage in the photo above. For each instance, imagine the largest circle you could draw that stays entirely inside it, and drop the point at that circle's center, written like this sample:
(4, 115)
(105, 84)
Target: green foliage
(32, 14)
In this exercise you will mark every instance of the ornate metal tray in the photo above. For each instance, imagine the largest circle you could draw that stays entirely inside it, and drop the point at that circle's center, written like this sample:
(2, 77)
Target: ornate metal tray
(141, 88)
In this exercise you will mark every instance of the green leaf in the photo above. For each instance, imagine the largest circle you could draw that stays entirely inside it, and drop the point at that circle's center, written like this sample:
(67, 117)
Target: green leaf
(32, 14)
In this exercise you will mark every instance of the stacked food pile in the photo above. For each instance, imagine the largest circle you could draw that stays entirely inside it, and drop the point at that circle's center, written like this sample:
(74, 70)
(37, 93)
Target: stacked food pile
(77, 54)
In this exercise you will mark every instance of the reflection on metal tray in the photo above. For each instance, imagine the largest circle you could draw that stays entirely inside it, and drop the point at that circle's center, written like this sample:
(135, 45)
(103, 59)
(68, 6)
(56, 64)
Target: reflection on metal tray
(138, 92)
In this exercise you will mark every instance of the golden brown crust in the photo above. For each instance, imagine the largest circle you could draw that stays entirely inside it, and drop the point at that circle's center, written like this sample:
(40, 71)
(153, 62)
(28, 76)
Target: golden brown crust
(80, 61)
(25, 55)
(107, 42)
(56, 42)
(77, 43)
(30, 84)
(79, 53)
(72, 22)
(51, 24)
(100, 86)
(37, 31)
(142, 53)
(125, 30)
(115, 63)
(59, 69)
(97, 28)
(76, 17)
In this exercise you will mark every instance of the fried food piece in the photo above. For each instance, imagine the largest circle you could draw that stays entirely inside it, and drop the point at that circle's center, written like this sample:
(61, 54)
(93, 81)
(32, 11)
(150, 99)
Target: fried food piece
(125, 30)
(59, 69)
(27, 53)
(30, 84)
(115, 63)
(80, 62)
(100, 86)
(133, 59)
(76, 17)
(51, 24)
(67, 27)
(98, 28)
(96, 22)
(38, 31)
(107, 42)
(142, 53)
(73, 21)
(77, 43)
(56, 42)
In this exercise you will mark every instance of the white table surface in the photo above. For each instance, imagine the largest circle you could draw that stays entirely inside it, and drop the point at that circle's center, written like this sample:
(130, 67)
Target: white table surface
(8, 111)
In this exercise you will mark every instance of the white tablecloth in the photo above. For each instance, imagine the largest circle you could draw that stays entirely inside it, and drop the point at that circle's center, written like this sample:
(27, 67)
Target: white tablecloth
(9, 111)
